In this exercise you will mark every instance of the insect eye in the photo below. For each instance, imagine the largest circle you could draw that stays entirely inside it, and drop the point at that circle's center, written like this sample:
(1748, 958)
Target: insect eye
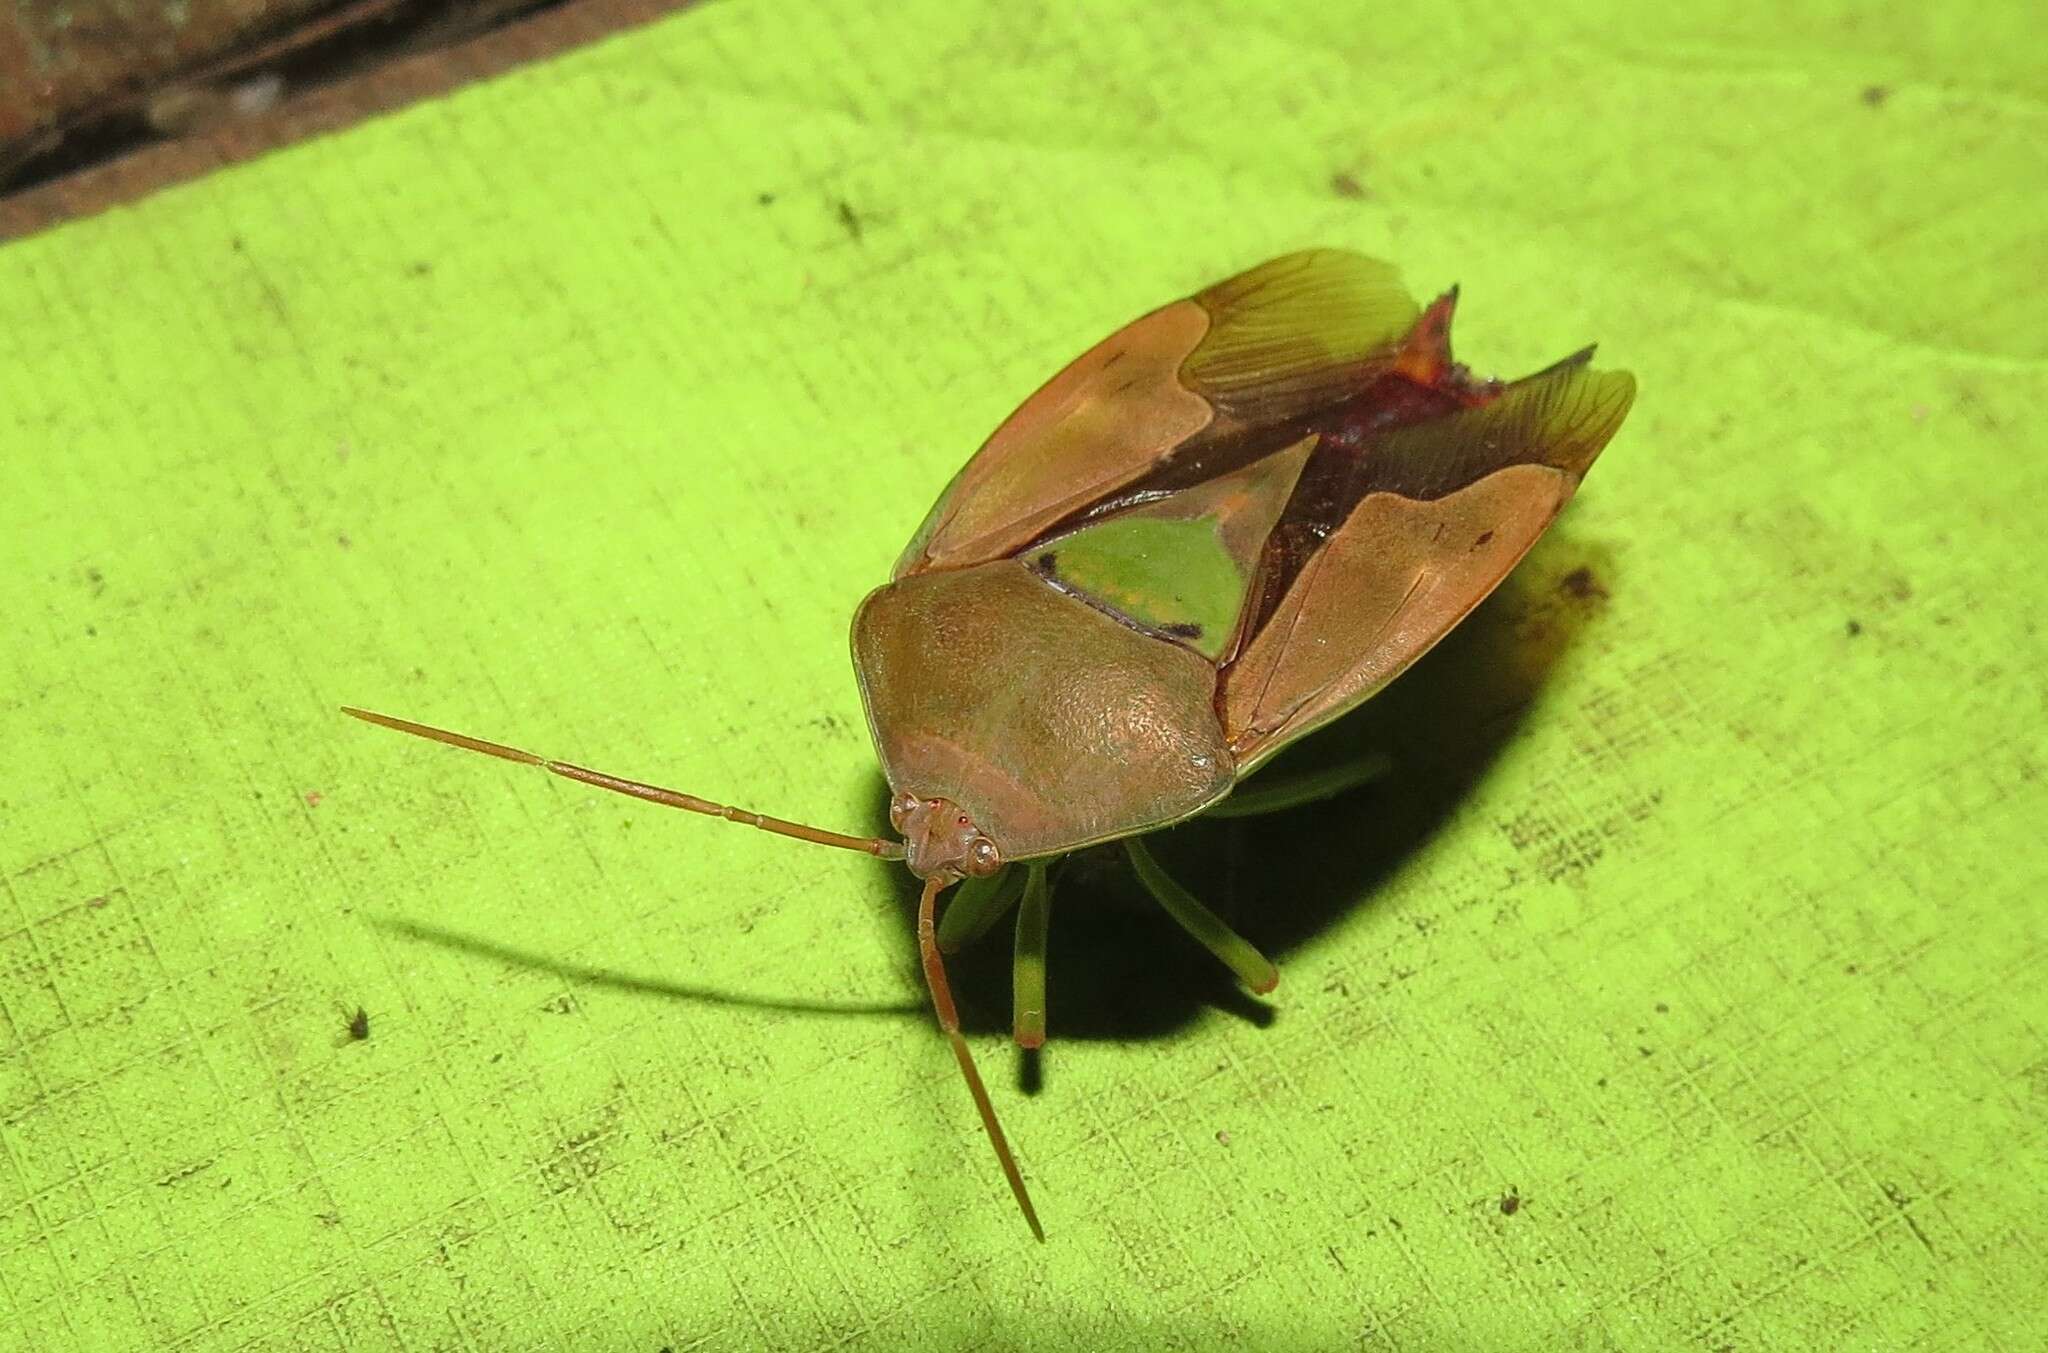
(983, 858)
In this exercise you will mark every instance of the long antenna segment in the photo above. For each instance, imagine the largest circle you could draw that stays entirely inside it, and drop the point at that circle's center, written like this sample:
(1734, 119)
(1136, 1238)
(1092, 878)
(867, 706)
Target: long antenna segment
(668, 798)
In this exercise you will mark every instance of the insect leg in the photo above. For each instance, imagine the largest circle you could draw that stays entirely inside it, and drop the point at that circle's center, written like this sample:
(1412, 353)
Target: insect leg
(1253, 968)
(949, 1020)
(1273, 793)
(1027, 975)
(976, 905)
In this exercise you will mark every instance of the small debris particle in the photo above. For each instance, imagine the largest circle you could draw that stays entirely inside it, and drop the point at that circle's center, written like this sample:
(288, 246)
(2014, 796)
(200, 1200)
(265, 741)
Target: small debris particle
(766, 199)
(1643, 1050)
(255, 97)
(1223, 1137)
(312, 798)
(180, 1176)
(419, 268)
(849, 218)
(1663, 1009)
(1583, 584)
(343, 540)
(359, 1025)
(1347, 185)
(1919, 413)
(96, 903)
(1875, 95)
(564, 1004)
(1510, 1202)
(1853, 628)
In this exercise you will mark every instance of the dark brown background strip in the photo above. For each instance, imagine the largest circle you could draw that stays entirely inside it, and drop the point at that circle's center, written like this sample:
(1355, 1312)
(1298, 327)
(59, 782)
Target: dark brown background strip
(117, 99)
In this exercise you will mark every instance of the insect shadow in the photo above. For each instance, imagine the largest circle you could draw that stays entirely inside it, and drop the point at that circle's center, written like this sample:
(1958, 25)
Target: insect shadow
(584, 974)
(1118, 968)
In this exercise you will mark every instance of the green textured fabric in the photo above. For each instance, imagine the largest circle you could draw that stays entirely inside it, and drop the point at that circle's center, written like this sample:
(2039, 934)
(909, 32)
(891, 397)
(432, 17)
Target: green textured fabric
(1679, 987)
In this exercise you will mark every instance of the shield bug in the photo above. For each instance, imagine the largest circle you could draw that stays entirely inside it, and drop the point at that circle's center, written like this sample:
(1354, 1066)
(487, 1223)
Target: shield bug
(1223, 526)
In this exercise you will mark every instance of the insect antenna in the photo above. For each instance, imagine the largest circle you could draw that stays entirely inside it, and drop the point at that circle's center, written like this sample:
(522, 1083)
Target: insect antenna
(949, 1020)
(671, 798)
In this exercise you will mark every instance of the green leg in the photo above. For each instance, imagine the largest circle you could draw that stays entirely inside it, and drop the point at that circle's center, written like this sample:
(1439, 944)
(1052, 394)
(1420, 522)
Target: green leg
(1253, 968)
(978, 904)
(1027, 977)
(1272, 794)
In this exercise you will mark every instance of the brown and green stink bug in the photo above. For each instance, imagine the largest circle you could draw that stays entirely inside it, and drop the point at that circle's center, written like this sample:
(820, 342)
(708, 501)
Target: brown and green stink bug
(1217, 530)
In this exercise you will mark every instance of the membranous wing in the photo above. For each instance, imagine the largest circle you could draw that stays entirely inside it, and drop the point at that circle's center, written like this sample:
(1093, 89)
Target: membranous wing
(1251, 353)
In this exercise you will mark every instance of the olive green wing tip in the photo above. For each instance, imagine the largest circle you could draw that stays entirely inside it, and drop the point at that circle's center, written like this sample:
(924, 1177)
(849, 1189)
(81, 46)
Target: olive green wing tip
(1568, 408)
(1587, 418)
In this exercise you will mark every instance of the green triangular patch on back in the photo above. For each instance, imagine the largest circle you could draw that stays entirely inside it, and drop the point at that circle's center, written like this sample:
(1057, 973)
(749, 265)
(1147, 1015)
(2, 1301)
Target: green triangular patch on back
(1180, 567)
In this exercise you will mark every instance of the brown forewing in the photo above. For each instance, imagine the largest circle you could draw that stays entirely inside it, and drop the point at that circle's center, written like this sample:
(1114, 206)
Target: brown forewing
(1440, 510)
(1198, 388)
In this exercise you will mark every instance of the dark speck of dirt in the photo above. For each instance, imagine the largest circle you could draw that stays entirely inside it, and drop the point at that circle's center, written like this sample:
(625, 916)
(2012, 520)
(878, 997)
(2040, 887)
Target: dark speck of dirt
(96, 580)
(1347, 185)
(1874, 96)
(1853, 628)
(359, 1025)
(1583, 584)
(235, 243)
(766, 199)
(1510, 1203)
(419, 269)
(849, 218)
(1643, 1050)
(1663, 1009)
